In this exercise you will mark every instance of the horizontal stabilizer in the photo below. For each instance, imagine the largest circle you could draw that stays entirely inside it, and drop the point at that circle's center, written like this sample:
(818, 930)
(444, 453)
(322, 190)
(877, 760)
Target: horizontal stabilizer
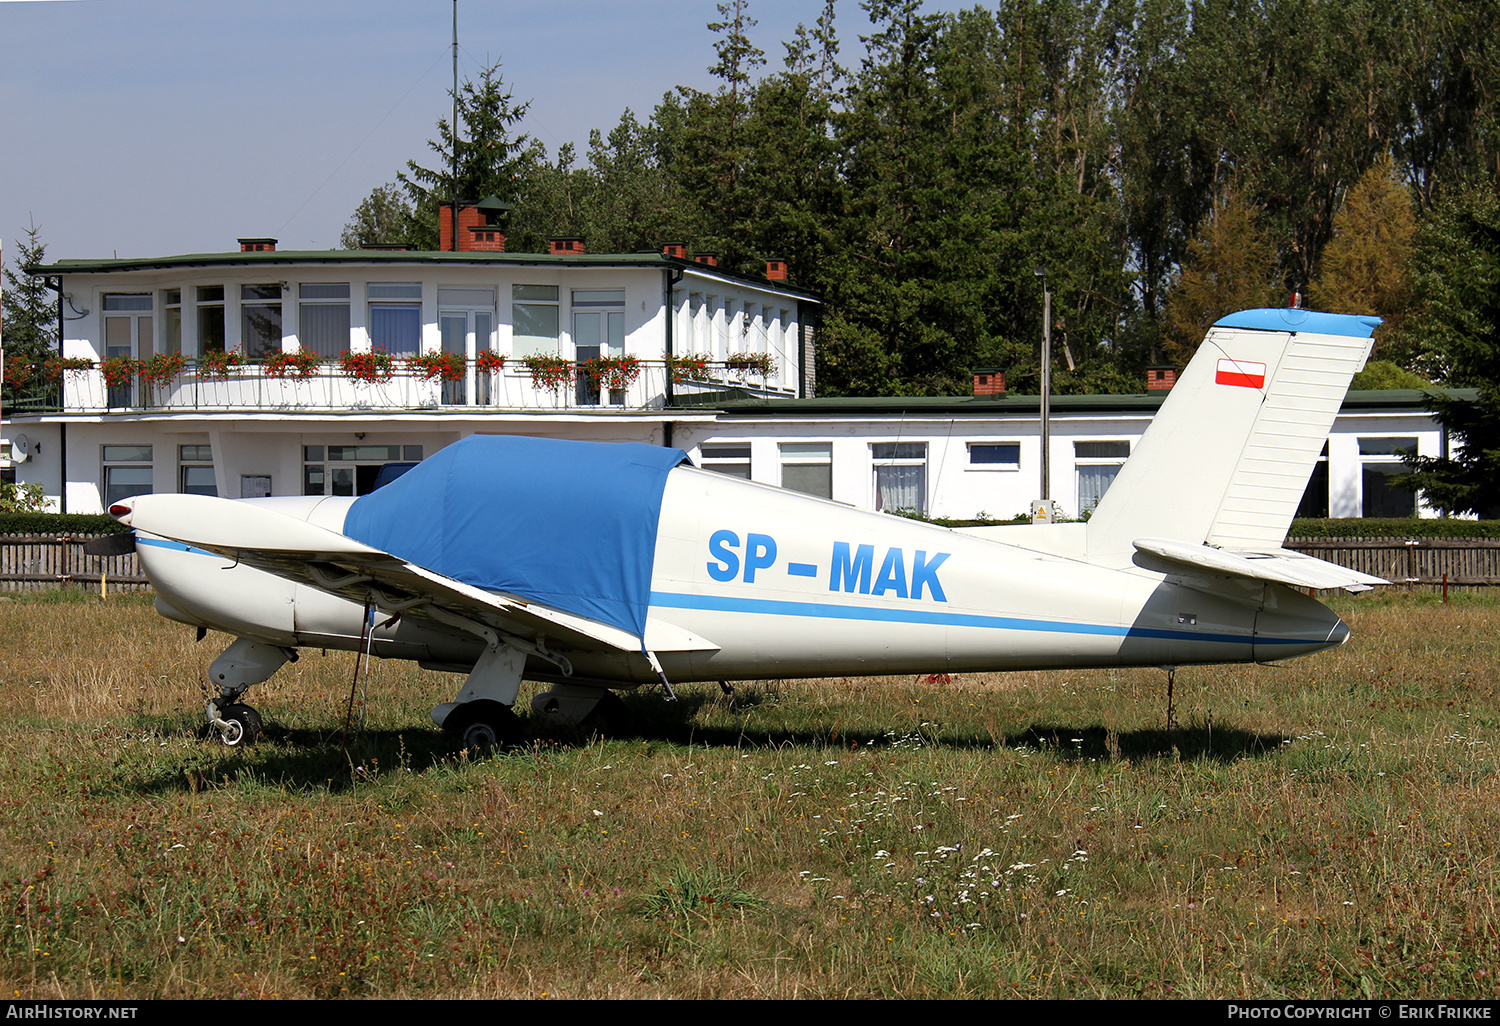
(1278, 566)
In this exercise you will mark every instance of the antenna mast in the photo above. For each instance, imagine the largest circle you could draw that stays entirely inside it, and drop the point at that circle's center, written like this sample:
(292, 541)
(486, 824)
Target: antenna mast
(453, 131)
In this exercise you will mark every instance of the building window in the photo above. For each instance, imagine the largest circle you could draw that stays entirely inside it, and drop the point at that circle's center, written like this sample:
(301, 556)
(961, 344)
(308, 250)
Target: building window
(995, 455)
(350, 469)
(260, 312)
(171, 334)
(195, 473)
(127, 472)
(255, 486)
(598, 330)
(127, 334)
(808, 467)
(466, 327)
(1097, 463)
(732, 460)
(534, 320)
(900, 476)
(210, 319)
(1315, 498)
(1380, 464)
(395, 317)
(323, 318)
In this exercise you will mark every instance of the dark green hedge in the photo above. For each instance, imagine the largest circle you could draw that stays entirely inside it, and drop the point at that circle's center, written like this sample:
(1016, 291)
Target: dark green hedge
(1409, 527)
(59, 524)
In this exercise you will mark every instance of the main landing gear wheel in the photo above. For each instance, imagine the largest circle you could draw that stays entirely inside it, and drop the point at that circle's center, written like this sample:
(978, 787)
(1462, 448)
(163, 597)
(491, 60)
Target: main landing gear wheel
(483, 724)
(245, 726)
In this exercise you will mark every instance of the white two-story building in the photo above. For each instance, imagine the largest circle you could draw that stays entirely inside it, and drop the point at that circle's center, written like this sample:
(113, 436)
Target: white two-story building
(266, 372)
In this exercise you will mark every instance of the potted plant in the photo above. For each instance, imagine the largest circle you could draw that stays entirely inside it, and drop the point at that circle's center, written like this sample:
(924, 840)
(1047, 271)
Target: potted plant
(298, 366)
(444, 366)
(550, 372)
(755, 363)
(119, 371)
(369, 368)
(688, 367)
(489, 361)
(54, 367)
(160, 369)
(615, 373)
(217, 363)
(18, 371)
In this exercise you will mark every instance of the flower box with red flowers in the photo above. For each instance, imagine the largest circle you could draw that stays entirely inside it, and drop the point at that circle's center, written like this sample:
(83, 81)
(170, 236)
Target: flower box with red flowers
(369, 368)
(432, 366)
(550, 372)
(298, 366)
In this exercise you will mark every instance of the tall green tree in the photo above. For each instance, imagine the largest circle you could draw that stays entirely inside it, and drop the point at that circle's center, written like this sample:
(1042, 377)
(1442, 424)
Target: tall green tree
(383, 218)
(30, 306)
(1456, 268)
(1364, 269)
(1230, 265)
(492, 158)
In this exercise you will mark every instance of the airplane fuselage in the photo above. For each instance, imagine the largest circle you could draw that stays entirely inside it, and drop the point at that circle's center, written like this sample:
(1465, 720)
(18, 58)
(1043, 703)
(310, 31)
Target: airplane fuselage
(754, 582)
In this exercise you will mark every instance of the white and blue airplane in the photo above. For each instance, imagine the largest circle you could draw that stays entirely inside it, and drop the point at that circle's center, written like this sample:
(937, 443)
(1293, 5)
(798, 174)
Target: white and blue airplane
(592, 567)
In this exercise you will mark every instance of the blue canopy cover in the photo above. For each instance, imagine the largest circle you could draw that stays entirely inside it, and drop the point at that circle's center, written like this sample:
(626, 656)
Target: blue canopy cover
(571, 525)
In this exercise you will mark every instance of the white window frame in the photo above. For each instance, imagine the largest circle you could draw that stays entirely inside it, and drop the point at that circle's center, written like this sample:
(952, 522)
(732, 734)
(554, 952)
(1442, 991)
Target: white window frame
(1080, 462)
(899, 455)
(802, 455)
(987, 466)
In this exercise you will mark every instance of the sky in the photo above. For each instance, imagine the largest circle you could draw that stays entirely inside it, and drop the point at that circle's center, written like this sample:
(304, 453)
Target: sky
(159, 127)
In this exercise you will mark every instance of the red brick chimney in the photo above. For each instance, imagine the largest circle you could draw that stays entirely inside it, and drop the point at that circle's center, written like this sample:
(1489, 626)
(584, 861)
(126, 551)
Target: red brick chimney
(989, 381)
(707, 259)
(257, 245)
(1160, 379)
(481, 227)
(776, 269)
(571, 246)
(674, 249)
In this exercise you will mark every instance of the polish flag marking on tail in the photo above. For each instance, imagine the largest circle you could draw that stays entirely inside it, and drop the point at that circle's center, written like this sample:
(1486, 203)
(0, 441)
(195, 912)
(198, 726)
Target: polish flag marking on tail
(1242, 373)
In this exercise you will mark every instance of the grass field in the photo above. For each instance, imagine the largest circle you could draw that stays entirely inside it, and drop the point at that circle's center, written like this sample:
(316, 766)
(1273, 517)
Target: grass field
(1322, 829)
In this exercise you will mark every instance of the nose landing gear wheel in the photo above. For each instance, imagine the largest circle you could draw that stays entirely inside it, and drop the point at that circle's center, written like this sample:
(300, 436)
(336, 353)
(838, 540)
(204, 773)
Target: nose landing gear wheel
(245, 726)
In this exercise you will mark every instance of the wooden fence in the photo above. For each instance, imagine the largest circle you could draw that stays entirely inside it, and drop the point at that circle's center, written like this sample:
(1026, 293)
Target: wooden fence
(37, 562)
(1463, 562)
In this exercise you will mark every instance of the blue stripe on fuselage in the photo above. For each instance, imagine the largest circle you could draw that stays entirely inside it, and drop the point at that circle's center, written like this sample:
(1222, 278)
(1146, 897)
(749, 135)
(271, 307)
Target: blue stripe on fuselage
(831, 611)
(163, 543)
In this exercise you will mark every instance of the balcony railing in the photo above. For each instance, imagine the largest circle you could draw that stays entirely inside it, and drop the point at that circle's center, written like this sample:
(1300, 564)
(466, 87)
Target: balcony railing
(250, 387)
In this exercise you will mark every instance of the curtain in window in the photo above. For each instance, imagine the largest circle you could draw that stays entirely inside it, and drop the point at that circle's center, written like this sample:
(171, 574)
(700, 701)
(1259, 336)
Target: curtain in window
(395, 328)
(901, 488)
(324, 328)
(1093, 482)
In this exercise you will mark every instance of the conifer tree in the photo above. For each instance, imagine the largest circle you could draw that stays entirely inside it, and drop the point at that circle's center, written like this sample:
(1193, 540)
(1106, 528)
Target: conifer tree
(1364, 268)
(30, 306)
(1230, 265)
(491, 161)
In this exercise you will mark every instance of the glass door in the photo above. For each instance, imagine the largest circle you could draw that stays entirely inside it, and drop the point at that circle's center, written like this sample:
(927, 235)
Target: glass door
(466, 323)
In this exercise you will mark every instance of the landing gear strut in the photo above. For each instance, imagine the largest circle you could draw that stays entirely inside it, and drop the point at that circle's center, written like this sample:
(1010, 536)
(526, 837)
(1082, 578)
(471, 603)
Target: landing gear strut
(242, 664)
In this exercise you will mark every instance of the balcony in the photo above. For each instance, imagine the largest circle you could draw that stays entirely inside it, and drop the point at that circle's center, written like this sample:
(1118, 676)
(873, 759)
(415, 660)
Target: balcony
(252, 386)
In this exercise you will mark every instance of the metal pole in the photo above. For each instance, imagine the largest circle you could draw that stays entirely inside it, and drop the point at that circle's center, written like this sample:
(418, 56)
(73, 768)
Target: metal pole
(1046, 391)
(454, 132)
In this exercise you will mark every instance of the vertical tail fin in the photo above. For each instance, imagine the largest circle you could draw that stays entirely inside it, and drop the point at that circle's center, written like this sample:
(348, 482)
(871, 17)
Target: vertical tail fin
(1228, 456)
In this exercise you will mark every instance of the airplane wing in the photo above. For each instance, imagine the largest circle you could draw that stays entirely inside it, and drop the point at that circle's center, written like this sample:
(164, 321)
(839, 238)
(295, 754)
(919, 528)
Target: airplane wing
(296, 550)
(1279, 566)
